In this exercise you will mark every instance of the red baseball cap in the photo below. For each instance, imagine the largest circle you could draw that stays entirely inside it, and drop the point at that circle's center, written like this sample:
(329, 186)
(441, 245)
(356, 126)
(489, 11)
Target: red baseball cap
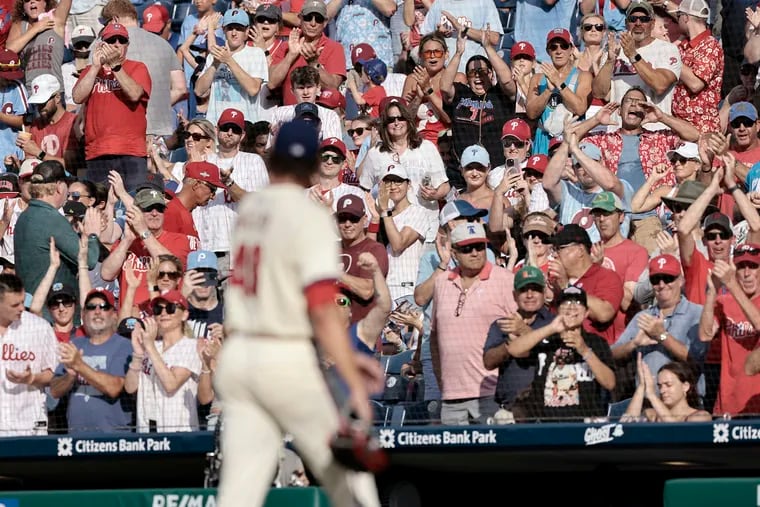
(664, 264)
(559, 33)
(516, 127)
(538, 163)
(333, 143)
(362, 52)
(331, 98)
(522, 48)
(233, 116)
(107, 295)
(204, 171)
(114, 29)
(172, 296)
(747, 252)
(155, 17)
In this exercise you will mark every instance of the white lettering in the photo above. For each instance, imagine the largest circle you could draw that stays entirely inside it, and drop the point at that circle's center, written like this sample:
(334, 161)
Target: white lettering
(602, 434)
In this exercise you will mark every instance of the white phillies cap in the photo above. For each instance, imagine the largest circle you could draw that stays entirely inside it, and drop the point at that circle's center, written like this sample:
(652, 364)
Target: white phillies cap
(43, 87)
(397, 170)
(686, 150)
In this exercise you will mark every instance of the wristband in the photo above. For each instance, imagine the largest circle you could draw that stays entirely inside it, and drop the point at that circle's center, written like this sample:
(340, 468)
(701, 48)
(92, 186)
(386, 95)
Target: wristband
(731, 190)
(203, 372)
(373, 227)
(386, 214)
(439, 267)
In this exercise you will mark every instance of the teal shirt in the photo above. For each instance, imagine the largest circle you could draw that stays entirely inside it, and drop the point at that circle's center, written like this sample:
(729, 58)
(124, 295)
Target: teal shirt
(31, 241)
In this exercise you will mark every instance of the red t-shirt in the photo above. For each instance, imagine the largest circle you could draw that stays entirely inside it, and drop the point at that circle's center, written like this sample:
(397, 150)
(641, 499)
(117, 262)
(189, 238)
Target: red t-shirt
(349, 257)
(695, 285)
(373, 97)
(606, 285)
(138, 257)
(114, 126)
(58, 138)
(177, 218)
(332, 58)
(628, 259)
(738, 393)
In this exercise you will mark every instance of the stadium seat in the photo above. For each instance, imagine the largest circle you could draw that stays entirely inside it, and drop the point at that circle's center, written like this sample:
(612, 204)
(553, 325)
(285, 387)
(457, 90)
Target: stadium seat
(616, 410)
(179, 11)
(178, 155)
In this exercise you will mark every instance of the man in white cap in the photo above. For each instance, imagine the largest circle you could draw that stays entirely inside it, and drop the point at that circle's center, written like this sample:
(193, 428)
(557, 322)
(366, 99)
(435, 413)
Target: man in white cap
(53, 133)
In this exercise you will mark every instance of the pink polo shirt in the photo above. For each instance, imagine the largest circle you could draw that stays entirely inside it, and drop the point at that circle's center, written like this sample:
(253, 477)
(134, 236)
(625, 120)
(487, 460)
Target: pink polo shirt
(461, 338)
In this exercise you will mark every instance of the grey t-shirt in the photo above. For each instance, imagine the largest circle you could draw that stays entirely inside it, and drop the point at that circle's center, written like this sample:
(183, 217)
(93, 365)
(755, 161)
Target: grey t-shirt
(161, 60)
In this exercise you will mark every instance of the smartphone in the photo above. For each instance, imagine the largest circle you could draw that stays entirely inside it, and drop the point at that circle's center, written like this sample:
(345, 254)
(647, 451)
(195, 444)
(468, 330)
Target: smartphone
(426, 180)
(210, 278)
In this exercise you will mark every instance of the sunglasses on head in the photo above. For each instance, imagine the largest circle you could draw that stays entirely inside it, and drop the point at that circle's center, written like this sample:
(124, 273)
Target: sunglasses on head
(558, 45)
(358, 131)
(92, 306)
(171, 308)
(313, 17)
(235, 129)
(475, 247)
(640, 19)
(196, 136)
(393, 119)
(264, 21)
(593, 26)
(336, 159)
(67, 303)
(154, 207)
(742, 121)
(115, 39)
(508, 143)
(656, 279)
(342, 301)
(343, 217)
(713, 235)
(172, 275)
(432, 53)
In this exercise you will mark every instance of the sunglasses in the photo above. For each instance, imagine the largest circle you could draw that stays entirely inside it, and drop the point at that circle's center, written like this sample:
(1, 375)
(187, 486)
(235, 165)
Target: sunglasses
(313, 17)
(742, 121)
(558, 45)
(598, 27)
(75, 196)
(264, 21)
(235, 129)
(393, 119)
(678, 159)
(350, 218)
(539, 235)
(475, 247)
(477, 72)
(432, 53)
(641, 19)
(516, 144)
(391, 181)
(171, 309)
(117, 38)
(336, 159)
(92, 307)
(358, 131)
(82, 46)
(195, 136)
(712, 236)
(678, 207)
(66, 303)
(172, 275)
(530, 173)
(154, 207)
(656, 279)
(342, 301)
(476, 167)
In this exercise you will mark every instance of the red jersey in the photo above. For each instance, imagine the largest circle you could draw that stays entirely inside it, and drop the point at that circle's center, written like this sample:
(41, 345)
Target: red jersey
(138, 257)
(332, 59)
(738, 393)
(695, 285)
(606, 285)
(373, 97)
(349, 257)
(114, 126)
(177, 218)
(628, 259)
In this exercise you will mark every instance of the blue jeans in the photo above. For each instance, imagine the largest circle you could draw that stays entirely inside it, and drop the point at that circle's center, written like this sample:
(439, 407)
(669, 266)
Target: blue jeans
(133, 170)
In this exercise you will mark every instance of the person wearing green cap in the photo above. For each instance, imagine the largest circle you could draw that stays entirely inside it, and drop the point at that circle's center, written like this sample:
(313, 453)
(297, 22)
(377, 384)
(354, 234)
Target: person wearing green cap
(516, 375)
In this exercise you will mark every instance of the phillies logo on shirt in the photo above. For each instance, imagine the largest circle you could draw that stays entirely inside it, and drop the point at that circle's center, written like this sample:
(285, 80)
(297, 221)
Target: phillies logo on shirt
(103, 85)
(8, 108)
(11, 353)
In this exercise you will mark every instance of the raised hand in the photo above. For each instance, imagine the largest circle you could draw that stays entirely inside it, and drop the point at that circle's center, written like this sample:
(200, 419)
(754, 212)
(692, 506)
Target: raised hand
(55, 255)
(368, 262)
(604, 115)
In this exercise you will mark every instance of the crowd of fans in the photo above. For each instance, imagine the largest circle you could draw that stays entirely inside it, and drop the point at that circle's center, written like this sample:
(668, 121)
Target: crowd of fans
(541, 223)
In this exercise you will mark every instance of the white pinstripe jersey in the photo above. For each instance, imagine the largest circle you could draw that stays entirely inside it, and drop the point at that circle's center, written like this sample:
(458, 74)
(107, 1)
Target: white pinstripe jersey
(402, 268)
(29, 341)
(330, 127)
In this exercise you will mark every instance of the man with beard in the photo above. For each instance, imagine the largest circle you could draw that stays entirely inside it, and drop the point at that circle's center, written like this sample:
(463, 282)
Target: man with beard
(53, 134)
(93, 369)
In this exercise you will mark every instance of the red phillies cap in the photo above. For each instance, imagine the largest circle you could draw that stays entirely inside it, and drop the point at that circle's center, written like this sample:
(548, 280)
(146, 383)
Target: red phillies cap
(232, 116)
(204, 171)
(331, 98)
(523, 48)
(362, 52)
(516, 128)
(102, 293)
(333, 143)
(538, 163)
(747, 252)
(114, 29)
(559, 33)
(154, 18)
(172, 296)
(664, 264)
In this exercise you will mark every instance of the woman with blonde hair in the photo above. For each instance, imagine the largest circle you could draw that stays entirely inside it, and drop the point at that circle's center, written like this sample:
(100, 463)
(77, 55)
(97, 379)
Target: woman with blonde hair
(199, 142)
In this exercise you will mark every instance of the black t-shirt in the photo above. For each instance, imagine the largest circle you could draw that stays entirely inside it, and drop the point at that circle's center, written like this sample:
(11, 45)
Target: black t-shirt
(564, 387)
(468, 111)
(200, 319)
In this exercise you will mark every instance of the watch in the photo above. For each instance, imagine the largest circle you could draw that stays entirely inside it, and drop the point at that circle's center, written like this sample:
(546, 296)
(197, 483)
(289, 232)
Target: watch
(663, 337)
(465, 30)
(386, 214)
(637, 58)
(562, 86)
(42, 154)
(144, 235)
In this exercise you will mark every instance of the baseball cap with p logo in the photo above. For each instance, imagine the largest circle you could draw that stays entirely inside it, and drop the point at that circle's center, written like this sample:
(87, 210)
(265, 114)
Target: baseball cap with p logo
(350, 205)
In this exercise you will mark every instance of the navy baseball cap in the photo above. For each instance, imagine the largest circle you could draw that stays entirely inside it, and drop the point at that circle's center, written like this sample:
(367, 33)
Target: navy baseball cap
(297, 139)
